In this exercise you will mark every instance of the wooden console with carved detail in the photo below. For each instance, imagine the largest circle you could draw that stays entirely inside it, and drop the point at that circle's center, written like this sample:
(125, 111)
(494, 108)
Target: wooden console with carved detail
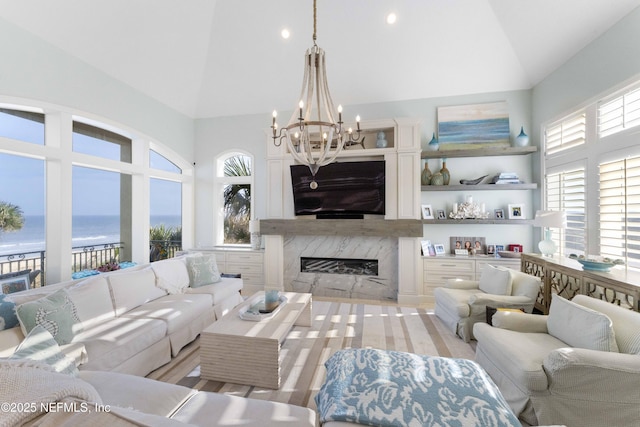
(565, 277)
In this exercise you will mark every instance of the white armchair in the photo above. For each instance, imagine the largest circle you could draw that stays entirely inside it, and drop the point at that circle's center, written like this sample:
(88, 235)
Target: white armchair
(578, 366)
(462, 303)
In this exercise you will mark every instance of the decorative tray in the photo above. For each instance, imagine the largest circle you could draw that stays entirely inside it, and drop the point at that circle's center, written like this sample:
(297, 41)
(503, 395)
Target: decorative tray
(509, 254)
(253, 312)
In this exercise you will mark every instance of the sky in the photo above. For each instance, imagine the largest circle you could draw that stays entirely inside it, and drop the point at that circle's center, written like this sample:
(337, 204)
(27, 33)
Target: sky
(22, 179)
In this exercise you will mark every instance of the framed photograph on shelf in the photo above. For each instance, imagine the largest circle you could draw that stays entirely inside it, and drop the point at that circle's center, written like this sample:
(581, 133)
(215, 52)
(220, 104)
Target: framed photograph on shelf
(440, 214)
(427, 212)
(498, 214)
(439, 248)
(516, 211)
(499, 248)
(427, 248)
(468, 244)
(491, 249)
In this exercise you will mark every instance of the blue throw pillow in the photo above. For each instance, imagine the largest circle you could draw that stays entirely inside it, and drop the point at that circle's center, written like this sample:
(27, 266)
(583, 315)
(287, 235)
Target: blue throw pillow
(8, 318)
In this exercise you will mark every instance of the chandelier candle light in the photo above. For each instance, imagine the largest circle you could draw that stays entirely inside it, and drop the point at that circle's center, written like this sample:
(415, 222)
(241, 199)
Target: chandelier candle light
(315, 125)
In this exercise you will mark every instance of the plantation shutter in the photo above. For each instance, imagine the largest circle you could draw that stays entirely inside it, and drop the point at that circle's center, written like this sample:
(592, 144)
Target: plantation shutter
(565, 134)
(620, 210)
(565, 191)
(619, 113)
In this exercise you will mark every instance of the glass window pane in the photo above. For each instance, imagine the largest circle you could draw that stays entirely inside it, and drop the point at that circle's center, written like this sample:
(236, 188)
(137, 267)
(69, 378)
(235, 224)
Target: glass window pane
(237, 213)
(22, 211)
(99, 142)
(237, 166)
(95, 217)
(22, 125)
(158, 161)
(165, 237)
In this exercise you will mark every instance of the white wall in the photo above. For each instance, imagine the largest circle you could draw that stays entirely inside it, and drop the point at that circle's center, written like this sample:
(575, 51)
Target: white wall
(33, 69)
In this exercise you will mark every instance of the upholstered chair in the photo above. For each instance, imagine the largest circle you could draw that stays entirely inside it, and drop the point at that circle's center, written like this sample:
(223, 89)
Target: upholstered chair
(462, 303)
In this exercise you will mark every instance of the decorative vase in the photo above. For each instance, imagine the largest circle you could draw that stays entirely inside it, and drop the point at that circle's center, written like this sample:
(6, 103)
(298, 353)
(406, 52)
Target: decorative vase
(446, 176)
(425, 177)
(434, 145)
(522, 140)
(437, 179)
(381, 142)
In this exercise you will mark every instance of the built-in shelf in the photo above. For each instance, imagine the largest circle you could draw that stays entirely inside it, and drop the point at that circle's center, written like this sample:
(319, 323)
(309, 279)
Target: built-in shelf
(480, 152)
(478, 221)
(479, 187)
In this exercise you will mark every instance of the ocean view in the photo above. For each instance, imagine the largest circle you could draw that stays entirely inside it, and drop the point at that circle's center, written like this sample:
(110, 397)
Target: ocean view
(87, 230)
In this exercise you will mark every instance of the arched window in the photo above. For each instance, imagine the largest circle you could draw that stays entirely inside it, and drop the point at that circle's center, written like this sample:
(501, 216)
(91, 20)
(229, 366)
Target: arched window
(234, 177)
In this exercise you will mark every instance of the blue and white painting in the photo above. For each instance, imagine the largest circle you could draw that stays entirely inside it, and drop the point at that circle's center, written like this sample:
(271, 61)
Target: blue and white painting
(473, 126)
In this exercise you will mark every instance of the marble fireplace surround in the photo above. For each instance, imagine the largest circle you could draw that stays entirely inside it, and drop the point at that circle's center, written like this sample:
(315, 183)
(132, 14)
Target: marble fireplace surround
(335, 238)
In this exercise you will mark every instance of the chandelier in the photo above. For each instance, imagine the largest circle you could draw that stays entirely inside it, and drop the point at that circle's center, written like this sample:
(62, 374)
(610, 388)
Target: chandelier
(313, 136)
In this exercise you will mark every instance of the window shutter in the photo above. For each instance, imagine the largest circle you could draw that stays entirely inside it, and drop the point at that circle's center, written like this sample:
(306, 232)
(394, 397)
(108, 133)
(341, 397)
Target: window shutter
(565, 191)
(620, 210)
(619, 113)
(565, 134)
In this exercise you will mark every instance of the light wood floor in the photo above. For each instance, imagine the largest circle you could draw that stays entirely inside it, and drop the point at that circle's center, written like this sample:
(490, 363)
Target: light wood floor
(336, 324)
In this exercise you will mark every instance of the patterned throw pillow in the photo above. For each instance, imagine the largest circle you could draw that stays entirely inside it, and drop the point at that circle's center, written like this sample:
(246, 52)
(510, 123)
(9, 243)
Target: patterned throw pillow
(56, 313)
(8, 318)
(40, 346)
(203, 270)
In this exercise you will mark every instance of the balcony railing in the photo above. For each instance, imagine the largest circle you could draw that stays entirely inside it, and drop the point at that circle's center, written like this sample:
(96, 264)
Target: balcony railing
(83, 257)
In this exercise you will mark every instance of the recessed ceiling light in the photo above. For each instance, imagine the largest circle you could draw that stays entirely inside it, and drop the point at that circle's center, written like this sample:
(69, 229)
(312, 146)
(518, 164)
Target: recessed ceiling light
(285, 33)
(391, 18)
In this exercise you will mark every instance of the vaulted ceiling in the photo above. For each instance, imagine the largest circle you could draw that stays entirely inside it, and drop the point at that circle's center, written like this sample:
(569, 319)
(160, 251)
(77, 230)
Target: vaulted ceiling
(209, 58)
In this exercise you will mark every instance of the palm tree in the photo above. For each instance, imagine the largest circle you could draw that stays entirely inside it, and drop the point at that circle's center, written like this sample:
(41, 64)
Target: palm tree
(237, 201)
(11, 217)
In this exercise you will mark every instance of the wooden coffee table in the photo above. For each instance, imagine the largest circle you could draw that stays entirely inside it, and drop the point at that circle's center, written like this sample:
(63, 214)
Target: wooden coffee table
(248, 352)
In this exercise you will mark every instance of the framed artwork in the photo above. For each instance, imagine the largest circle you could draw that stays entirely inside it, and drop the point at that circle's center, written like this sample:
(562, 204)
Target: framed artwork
(427, 212)
(491, 249)
(499, 248)
(498, 214)
(15, 284)
(516, 211)
(468, 243)
(427, 248)
(439, 248)
(440, 214)
(473, 126)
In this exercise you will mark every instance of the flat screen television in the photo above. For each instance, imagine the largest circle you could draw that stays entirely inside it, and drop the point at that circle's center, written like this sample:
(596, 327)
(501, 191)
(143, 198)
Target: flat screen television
(345, 190)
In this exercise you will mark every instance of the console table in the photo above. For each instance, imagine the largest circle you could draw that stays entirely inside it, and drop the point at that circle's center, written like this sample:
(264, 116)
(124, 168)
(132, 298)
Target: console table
(565, 277)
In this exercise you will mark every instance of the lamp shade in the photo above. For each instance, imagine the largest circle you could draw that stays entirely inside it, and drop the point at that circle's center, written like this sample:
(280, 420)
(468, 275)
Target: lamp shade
(550, 219)
(254, 226)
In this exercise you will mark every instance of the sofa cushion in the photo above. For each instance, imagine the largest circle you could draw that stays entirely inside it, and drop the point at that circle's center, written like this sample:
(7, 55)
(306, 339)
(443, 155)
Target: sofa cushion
(521, 360)
(56, 313)
(171, 275)
(626, 323)
(495, 280)
(92, 299)
(8, 318)
(580, 326)
(219, 291)
(40, 346)
(455, 300)
(177, 311)
(203, 270)
(111, 343)
(139, 393)
(132, 289)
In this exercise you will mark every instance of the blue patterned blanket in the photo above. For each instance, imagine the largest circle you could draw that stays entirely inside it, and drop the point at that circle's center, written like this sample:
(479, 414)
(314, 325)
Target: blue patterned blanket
(390, 388)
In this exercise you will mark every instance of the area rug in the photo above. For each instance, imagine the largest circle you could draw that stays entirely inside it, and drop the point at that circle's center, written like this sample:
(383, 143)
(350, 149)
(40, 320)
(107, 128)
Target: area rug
(335, 325)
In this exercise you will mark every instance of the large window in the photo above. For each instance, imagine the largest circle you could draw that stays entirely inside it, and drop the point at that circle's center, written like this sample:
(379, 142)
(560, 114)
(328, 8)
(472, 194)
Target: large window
(166, 218)
(100, 142)
(592, 172)
(234, 177)
(22, 125)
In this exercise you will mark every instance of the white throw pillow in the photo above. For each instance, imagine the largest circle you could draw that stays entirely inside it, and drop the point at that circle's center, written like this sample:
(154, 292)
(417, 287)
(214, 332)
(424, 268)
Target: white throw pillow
(92, 299)
(580, 326)
(171, 275)
(495, 280)
(132, 289)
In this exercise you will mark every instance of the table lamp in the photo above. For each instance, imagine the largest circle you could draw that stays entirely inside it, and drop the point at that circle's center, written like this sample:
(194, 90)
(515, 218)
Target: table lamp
(548, 220)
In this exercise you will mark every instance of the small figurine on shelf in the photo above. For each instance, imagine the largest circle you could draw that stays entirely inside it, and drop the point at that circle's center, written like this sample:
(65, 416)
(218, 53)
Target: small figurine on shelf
(381, 142)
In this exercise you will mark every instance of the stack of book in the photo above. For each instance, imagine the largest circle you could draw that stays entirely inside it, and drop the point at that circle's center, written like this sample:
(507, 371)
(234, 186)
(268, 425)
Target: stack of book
(506, 178)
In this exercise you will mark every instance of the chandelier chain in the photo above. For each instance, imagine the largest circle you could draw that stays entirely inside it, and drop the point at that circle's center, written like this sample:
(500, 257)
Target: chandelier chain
(314, 22)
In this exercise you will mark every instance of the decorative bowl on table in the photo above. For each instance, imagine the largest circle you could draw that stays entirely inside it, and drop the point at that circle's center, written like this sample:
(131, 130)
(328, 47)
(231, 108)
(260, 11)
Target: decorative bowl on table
(509, 254)
(592, 265)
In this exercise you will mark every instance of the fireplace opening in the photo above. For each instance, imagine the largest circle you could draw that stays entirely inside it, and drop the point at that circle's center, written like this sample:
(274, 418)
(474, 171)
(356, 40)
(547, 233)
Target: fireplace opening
(363, 267)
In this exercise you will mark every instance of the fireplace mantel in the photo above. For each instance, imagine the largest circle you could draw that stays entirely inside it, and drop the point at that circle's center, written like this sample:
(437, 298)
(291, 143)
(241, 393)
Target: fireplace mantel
(342, 227)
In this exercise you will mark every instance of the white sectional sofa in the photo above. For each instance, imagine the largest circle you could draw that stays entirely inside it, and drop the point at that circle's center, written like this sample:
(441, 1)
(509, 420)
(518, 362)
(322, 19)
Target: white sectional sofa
(132, 320)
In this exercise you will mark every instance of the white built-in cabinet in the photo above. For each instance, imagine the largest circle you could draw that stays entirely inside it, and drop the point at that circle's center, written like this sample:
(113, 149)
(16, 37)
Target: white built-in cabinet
(248, 263)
